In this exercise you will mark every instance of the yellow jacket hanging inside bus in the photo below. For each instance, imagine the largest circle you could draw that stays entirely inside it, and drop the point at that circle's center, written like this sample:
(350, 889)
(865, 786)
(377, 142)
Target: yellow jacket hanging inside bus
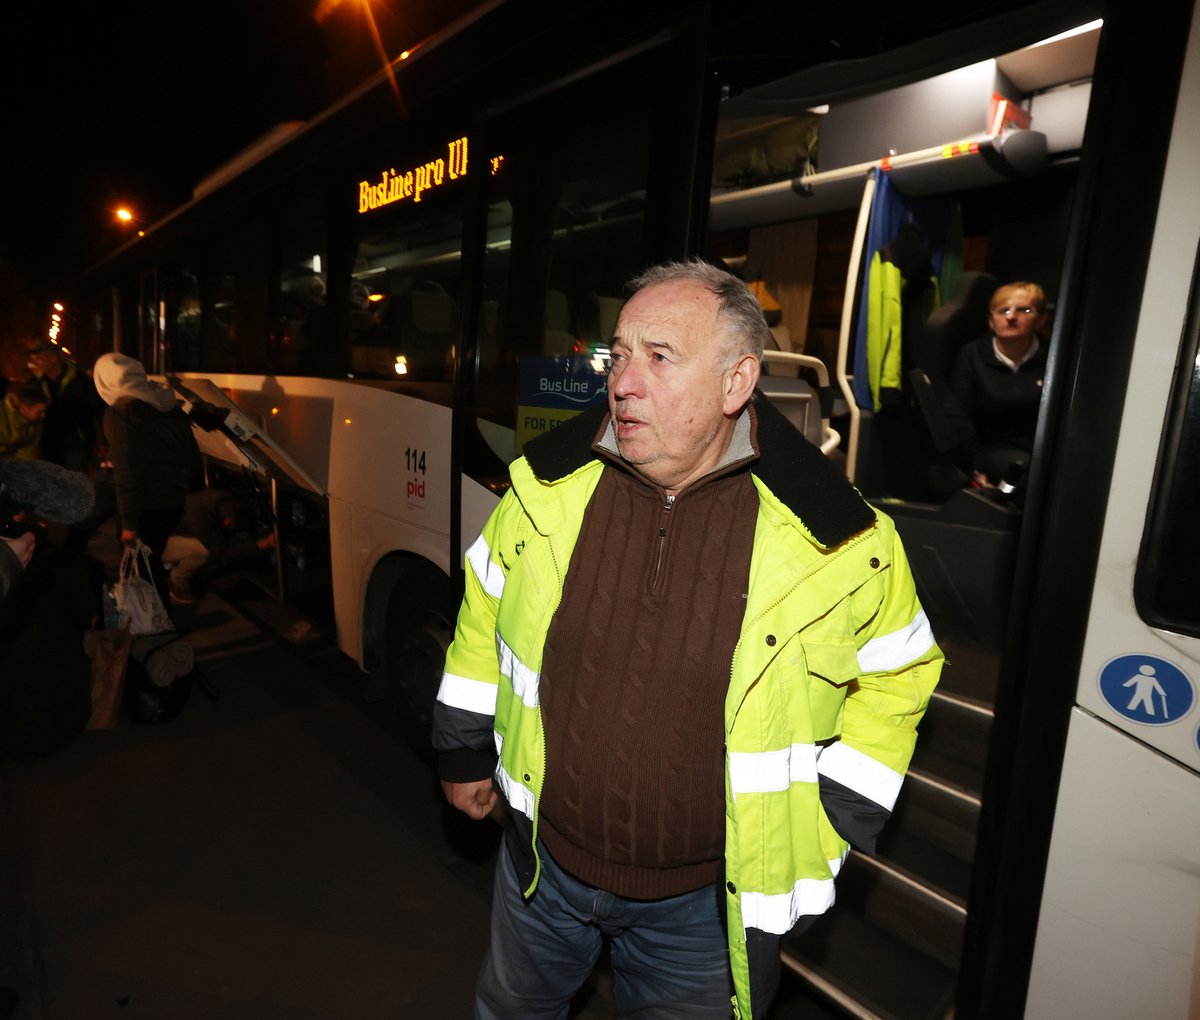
(894, 309)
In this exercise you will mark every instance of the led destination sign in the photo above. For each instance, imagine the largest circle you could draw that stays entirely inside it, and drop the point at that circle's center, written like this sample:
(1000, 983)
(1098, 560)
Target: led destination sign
(397, 185)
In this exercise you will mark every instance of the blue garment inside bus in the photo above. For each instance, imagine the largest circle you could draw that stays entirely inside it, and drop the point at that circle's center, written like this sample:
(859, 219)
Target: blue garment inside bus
(890, 211)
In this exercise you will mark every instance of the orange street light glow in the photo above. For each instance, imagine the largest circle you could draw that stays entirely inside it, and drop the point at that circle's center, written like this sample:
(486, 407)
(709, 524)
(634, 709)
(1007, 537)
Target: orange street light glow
(124, 215)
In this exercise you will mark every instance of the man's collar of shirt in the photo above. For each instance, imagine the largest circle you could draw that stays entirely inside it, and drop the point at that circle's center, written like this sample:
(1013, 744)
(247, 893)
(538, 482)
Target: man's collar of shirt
(1009, 363)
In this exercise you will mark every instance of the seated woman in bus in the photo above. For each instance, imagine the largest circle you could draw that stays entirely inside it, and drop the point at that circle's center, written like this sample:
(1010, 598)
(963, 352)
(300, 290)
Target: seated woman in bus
(996, 385)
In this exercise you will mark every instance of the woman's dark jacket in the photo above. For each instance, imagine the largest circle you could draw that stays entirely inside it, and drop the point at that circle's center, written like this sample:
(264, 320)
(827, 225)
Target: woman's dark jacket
(154, 456)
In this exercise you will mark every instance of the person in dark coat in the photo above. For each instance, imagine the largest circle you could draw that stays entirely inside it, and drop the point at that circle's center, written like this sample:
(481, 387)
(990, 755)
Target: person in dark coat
(996, 385)
(215, 535)
(155, 459)
(70, 430)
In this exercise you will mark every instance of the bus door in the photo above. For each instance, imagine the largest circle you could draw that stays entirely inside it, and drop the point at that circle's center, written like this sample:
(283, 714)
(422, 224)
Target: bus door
(1118, 932)
(239, 456)
(973, 169)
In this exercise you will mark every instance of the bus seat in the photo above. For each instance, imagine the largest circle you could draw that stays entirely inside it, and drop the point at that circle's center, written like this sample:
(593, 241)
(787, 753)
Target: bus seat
(610, 308)
(949, 328)
(781, 340)
(797, 400)
(431, 312)
(557, 311)
(424, 330)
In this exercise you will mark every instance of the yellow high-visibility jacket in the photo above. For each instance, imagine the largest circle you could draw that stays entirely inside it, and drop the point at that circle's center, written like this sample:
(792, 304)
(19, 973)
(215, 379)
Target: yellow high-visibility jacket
(832, 671)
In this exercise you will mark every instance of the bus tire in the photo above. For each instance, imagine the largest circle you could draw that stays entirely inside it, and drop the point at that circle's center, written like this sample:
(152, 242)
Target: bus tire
(418, 628)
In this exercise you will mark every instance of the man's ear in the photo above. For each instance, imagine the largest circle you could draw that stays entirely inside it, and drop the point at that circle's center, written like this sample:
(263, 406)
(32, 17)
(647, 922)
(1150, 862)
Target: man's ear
(740, 380)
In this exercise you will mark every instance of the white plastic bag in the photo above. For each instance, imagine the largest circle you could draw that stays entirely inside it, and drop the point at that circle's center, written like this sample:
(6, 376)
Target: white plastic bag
(138, 603)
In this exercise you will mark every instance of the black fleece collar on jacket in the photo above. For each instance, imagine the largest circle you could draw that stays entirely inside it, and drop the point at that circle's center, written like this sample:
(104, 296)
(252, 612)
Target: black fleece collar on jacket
(799, 475)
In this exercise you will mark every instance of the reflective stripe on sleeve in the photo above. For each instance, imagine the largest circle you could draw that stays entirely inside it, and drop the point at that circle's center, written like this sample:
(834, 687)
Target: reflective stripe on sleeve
(771, 771)
(778, 913)
(891, 651)
(491, 575)
(525, 681)
(470, 695)
(861, 773)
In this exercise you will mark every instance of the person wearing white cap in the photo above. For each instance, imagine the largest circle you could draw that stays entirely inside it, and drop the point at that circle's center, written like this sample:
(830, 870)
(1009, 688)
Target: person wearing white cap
(154, 455)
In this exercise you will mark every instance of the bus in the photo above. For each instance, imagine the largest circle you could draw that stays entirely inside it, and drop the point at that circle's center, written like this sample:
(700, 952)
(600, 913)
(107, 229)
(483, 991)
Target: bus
(395, 296)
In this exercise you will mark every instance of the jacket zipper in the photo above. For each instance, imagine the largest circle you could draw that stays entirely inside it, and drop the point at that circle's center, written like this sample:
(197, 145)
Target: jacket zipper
(537, 860)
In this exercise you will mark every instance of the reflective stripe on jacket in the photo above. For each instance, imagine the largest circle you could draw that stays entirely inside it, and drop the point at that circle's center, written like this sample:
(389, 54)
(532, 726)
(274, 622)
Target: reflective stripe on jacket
(833, 669)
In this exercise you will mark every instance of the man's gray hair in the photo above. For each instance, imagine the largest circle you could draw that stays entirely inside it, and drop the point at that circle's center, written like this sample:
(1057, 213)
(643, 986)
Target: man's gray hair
(745, 326)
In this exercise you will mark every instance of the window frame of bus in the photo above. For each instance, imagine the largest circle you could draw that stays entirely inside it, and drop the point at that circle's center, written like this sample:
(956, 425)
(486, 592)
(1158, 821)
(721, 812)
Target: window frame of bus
(1170, 542)
(446, 203)
(604, 97)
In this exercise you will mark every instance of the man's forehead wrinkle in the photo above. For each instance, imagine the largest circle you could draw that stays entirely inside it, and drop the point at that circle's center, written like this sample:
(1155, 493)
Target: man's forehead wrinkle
(663, 325)
(648, 338)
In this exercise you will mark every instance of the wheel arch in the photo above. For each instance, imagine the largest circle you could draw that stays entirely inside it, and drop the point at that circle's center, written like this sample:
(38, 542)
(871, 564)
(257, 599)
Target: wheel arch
(386, 576)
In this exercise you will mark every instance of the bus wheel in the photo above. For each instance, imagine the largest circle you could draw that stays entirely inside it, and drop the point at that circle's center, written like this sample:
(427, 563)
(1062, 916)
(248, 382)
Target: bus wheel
(420, 624)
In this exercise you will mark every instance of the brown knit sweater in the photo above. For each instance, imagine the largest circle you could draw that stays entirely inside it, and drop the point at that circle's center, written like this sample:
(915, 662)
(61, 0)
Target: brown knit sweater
(634, 675)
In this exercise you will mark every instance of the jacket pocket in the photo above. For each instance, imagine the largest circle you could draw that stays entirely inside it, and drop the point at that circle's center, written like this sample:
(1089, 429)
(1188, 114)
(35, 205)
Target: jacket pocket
(831, 666)
(835, 662)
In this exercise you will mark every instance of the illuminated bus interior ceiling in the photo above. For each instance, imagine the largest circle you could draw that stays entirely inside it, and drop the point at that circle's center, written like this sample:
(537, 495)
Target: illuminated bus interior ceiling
(798, 159)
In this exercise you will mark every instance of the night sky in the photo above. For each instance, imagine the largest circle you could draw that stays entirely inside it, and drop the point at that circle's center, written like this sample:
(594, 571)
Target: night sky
(135, 103)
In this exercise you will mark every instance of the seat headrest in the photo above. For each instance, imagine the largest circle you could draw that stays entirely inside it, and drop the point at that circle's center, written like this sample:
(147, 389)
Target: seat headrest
(974, 290)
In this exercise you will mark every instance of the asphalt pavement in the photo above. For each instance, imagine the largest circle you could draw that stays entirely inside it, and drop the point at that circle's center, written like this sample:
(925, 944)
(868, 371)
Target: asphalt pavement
(275, 851)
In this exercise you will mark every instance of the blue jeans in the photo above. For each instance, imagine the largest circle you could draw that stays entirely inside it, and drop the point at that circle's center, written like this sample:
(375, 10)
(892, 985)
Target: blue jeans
(670, 958)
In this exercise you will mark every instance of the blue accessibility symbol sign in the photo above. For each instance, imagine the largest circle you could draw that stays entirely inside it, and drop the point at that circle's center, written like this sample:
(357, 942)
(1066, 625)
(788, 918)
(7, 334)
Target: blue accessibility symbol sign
(1147, 689)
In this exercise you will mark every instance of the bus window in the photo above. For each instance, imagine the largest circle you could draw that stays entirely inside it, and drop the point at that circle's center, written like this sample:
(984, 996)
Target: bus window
(1167, 568)
(404, 315)
(219, 326)
(566, 218)
(235, 326)
(180, 288)
(300, 339)
(146, 325)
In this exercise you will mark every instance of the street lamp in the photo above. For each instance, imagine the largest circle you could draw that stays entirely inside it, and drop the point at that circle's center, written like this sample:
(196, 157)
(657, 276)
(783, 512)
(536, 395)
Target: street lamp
(125, 215)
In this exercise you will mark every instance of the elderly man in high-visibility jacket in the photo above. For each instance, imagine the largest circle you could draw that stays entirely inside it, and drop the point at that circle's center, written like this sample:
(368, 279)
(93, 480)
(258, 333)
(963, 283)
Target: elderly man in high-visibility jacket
(691, 659)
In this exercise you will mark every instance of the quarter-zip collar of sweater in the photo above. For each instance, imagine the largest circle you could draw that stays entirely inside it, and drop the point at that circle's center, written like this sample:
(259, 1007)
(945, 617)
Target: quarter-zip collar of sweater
(742, 450)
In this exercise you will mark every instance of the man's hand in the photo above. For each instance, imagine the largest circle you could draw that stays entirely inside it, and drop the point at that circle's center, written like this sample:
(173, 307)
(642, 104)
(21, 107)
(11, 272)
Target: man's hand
(476, 800)
(22, 547)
